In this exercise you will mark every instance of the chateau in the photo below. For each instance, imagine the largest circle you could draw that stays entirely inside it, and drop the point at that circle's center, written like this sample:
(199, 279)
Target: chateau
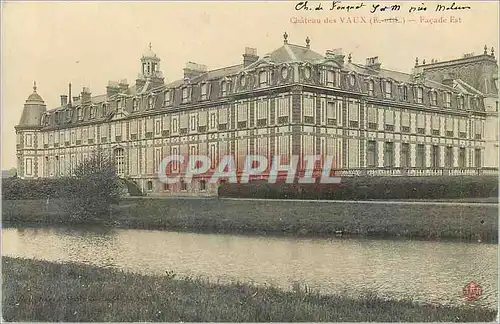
(439, 119)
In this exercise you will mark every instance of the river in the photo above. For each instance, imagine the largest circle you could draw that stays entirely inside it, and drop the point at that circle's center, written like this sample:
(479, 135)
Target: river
(433, 272)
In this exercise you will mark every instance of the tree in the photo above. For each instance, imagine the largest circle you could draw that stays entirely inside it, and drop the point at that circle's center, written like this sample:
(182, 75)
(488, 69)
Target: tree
(98, 188)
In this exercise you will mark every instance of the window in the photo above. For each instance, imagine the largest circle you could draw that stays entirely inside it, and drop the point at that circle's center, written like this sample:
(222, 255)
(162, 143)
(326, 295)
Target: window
(223, 87)
(389, 154)
(405, 155)
(388, 89)
(29, 166)
(158, 127)
(435, 125)
(462, 128)
(405, 122)
(435, 156)
(372, 117)
(405, 93)
(449, 127)
(420, 156)
(104, 110)
(330, 78)
(353, 114)
(166, 98)
(434, 98)
(477, 158)
(119, 161)
(448, 158)
(461, 102)
(203, 185)
(150, 102)
(193, 123)
(447, 100)
(73, 137)
(185, 94)
(262, 78)
(371, 154)
(262, 113)
(29, 140)
(204, 92)
(331, 113)
(135, 104)
(166, 187)
(213, 120)
(149, 185)
(79, 113)
(389, 120)
(478, 129)
(371, 87)
(461, 157)
(420, 95)
(308, 110)
(183, 185)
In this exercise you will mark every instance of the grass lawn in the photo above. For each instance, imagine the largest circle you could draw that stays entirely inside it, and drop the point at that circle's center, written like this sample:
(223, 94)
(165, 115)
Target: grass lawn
(44, 291)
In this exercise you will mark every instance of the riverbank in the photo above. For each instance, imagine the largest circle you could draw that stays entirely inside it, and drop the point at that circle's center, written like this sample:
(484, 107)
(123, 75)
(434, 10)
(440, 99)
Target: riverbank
(432, 221)
(44, 291)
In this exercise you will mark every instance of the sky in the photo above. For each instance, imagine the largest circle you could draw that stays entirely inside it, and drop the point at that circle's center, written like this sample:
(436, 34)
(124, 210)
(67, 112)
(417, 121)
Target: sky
(91, 43)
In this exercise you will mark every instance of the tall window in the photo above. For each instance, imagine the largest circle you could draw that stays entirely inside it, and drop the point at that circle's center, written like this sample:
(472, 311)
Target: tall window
(461, 157)
(29, 140)
(371, 87)
(420, 95)
(213, 120)
(371, 154)
(434, 98)
(405, 93)
(448, 160)
(447, 100)
(388, 89)
(192, 123)
(405, 155)
(389, 154)
(119, 160)
(435, 156)
(420, 156)
(477, 158)
(461, 102)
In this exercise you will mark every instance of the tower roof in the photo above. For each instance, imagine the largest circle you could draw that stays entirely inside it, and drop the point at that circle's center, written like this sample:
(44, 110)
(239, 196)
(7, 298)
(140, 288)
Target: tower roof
(34, 97)
(34, 108)
(149, 53)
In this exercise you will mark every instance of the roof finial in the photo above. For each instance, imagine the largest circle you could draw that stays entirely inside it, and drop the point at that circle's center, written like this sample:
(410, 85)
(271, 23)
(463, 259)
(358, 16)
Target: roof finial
(485, 49)
(349, 58)
(416, 61)
(423, 62)
(149, 45)
(285, 37)
(34, 85)
(308, 41)
(492, 52)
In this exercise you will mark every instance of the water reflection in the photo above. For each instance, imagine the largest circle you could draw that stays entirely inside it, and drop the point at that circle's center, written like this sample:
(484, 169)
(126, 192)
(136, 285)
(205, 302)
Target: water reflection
(426, 271)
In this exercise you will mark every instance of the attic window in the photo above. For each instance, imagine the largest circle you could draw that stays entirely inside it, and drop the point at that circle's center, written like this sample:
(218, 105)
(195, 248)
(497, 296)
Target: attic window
(371, 87)
(284, 72)
(388, 89)
(166, 97)
(203, 90)
(223, 87)
(135, 104)
(433, 98)
(80, 113)
(405, 93)
(461, 102)
(307, 72)
(185, 94)
(330, 78)
(262, 78)
(447, 100)
(150, 102)
(104, 108)
(420, 95)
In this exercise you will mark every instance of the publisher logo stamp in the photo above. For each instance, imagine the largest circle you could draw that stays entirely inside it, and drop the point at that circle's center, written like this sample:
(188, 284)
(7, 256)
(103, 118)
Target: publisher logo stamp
(472, 291)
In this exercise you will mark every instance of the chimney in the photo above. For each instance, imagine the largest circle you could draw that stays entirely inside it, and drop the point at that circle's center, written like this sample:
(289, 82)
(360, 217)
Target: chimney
(373, 63)
(123, 85)
(64, 100)
(250, 56)
(192, 70)
(112, 88)
(69, 94)
(86, 95)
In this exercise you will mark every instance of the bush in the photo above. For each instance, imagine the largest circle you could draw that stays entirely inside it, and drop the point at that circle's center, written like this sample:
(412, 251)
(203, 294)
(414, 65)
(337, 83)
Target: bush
(362, 188)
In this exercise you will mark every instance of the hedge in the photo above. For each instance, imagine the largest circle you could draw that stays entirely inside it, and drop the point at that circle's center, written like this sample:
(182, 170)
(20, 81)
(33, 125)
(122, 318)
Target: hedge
(366, 188)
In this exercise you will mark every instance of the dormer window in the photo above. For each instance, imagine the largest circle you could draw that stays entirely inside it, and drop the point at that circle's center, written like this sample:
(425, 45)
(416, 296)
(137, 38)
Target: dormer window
(204, 91)
(80, 113)
(150, 102)
(420, 95)
(262, 78)
(405, 93)
(104, 108)
(371, 87)
(166, 98)
(461, 102)
(307, 72)
(119, 104)
(434, 98)
(185, 94)
(57, 117)
(284, 72)
(447, 100)
(330, 78)
(135, 104)
(223, 87)
(388, 89)
(352, 79)
(474, 103)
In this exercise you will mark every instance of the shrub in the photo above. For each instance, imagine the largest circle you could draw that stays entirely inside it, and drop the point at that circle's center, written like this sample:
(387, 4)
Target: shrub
(362, 188)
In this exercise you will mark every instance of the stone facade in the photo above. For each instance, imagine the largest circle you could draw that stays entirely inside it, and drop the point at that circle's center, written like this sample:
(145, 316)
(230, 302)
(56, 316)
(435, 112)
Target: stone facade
(290, 101)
